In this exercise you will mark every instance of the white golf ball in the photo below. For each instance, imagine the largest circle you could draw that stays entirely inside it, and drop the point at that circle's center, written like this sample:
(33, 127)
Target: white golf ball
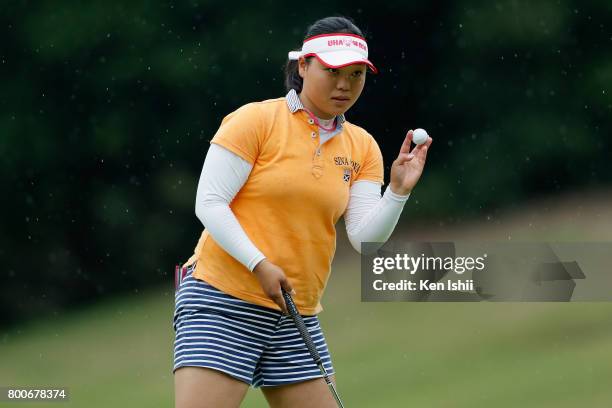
(419, 136)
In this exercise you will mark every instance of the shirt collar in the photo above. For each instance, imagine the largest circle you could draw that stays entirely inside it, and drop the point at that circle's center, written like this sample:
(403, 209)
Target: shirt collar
(294, 104)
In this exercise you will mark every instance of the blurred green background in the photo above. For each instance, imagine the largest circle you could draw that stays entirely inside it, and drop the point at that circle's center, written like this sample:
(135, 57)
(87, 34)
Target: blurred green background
(106, 112)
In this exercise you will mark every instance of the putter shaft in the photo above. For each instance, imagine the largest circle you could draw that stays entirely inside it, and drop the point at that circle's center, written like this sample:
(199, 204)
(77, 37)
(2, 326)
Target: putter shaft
(299, 322)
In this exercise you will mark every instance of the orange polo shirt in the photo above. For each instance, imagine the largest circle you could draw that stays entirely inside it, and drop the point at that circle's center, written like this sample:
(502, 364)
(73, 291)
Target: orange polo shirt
(292, 200)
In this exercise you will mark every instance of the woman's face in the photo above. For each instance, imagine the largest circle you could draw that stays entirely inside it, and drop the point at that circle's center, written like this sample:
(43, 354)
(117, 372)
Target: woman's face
(330, 91)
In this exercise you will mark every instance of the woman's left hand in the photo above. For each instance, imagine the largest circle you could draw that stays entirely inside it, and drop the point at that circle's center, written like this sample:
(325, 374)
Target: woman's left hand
(408, 167)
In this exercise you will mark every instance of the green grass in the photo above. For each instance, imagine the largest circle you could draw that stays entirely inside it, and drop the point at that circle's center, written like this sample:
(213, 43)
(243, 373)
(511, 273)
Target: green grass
(119, 352)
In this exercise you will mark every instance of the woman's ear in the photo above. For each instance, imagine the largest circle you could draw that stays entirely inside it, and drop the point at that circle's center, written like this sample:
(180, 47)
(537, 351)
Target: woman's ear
(302, 66)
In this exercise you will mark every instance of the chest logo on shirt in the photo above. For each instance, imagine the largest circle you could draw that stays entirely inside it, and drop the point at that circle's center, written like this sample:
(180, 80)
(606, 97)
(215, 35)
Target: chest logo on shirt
(347, 175)
(343, 161)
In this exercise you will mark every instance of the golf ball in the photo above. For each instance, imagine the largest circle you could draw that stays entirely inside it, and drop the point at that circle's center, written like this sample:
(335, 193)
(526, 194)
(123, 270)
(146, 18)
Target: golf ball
(419, 136)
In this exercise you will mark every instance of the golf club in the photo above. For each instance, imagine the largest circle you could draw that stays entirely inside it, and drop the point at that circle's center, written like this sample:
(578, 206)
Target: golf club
(299, 322)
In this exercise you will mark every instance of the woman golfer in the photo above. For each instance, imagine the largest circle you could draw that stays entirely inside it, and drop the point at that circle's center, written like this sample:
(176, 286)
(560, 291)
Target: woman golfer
(278, 176)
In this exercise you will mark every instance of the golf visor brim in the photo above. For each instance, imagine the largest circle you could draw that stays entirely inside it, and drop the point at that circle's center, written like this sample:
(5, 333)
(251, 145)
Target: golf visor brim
(336, 50)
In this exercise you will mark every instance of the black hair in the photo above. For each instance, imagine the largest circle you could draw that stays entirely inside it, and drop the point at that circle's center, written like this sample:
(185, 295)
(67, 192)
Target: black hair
(326, 25)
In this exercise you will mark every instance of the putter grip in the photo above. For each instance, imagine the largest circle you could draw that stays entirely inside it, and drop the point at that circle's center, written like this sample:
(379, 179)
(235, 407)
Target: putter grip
(299, 322)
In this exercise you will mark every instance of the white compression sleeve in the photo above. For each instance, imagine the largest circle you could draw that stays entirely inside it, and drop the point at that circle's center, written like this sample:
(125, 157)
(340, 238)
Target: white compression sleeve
(370, 217)
(223, 175)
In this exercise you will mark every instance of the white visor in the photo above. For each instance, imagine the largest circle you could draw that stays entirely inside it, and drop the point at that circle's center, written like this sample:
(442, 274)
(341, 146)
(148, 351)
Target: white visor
(336, 50)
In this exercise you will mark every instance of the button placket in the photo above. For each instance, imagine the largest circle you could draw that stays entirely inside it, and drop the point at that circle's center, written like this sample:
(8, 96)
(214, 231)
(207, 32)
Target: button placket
(317, 163)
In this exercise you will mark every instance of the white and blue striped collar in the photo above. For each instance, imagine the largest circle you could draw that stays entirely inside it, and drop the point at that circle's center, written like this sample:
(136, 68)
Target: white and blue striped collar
(295, 104)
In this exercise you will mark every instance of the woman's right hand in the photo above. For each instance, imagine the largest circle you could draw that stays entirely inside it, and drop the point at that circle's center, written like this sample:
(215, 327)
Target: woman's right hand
(272, 278)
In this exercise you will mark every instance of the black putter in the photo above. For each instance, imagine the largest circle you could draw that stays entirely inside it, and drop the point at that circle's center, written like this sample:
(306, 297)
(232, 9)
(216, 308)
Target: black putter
(299, 322)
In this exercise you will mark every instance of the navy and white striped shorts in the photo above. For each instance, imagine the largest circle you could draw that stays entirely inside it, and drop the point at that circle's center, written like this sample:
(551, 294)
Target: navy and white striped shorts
(252, 343)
